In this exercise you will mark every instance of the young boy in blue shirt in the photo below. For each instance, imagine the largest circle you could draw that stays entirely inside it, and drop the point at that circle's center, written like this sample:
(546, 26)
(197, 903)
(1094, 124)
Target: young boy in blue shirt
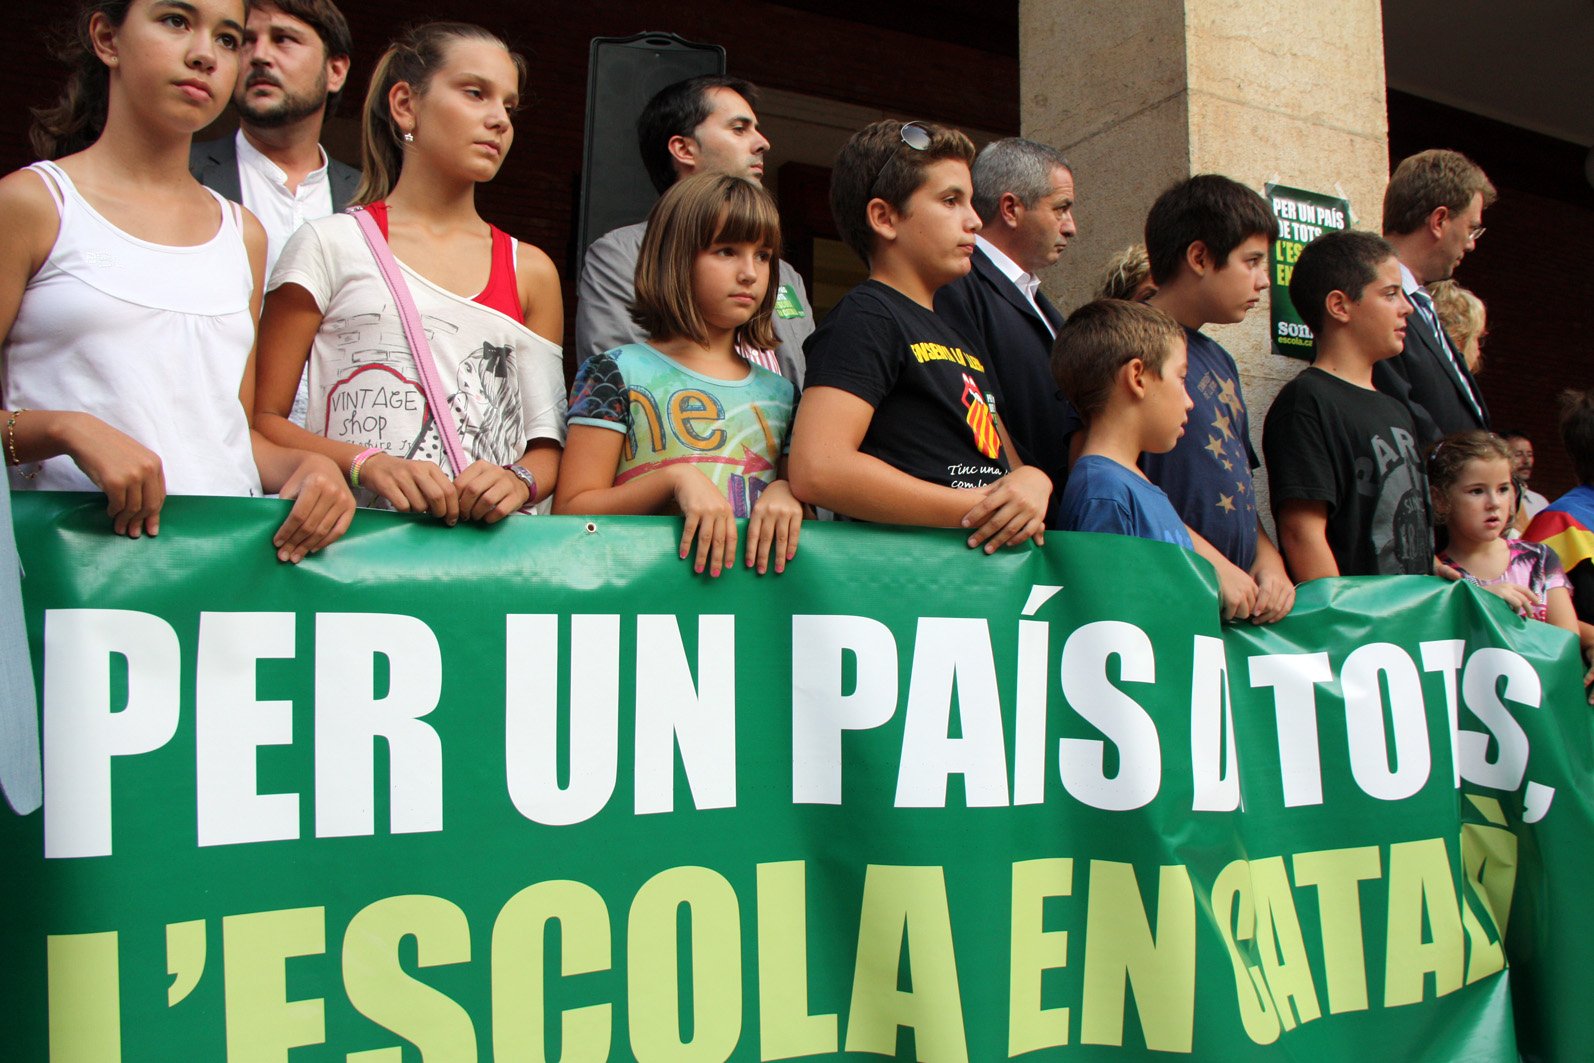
(1207, 239)
(897, 421)
(1124, 364)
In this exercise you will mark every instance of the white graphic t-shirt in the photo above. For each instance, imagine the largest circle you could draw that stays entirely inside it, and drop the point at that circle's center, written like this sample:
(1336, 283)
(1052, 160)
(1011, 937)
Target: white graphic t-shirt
(505, 383)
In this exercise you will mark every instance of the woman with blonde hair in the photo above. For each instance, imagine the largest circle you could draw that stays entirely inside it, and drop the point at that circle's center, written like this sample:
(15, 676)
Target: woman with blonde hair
(1463, 317)
(1128, 276)
(435, 375)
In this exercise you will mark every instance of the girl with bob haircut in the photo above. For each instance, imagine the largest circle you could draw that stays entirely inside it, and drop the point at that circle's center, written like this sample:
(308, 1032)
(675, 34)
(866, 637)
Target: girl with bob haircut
(438, 120)
(129, 293)
(686, 422)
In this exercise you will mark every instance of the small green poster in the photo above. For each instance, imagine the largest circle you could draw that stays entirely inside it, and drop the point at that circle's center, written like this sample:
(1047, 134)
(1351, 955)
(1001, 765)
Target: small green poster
(1303, 217)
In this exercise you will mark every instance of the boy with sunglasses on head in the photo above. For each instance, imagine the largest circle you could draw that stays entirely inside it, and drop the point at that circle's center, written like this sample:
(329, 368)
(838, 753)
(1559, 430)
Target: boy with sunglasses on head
(897, 422)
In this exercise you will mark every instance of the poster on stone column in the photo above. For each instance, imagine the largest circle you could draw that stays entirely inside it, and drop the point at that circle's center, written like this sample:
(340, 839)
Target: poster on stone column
(1302, 216)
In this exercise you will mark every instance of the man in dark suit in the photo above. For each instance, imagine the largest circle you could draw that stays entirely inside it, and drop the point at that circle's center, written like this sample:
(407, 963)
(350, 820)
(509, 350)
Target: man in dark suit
(1433, 215)
(292, 69)
(1024, 195)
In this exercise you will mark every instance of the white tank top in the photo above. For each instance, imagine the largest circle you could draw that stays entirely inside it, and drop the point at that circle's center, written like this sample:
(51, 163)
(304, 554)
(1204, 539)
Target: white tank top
(151, 339)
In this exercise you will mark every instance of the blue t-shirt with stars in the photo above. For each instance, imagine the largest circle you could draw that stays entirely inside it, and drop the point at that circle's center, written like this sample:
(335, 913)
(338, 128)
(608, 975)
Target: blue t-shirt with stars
(1207, 476)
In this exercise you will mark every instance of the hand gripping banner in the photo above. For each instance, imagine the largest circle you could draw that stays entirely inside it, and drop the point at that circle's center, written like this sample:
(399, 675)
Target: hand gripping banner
(537, 791)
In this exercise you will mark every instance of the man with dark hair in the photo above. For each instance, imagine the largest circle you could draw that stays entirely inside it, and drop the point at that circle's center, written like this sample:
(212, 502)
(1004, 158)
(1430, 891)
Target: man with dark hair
(1349, 492)
(1433, 215)
(700, 125)
(294, 64)
(1207, 239)
(675, 127)
(899, 422)
(1531, 503)
(1024, 195)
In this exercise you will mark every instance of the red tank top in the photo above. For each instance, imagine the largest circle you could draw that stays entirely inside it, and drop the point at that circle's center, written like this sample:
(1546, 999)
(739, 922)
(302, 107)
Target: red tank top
(503, 289)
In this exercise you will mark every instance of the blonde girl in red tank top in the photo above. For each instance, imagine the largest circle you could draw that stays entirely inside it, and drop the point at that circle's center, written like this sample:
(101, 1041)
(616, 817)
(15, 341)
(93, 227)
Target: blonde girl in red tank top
(146, 75)
(438, 121)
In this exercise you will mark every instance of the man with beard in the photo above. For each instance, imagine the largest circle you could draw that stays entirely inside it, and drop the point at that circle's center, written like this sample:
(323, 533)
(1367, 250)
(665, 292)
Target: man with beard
(295, 62)
(294, 65)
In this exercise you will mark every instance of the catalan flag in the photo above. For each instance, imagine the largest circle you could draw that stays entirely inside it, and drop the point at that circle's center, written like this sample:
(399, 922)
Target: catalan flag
(979, 419)
(1567, 526)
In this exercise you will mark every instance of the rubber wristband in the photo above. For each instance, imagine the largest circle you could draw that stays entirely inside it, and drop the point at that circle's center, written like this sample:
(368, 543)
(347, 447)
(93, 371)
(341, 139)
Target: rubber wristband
(524, 475)
(360, 459)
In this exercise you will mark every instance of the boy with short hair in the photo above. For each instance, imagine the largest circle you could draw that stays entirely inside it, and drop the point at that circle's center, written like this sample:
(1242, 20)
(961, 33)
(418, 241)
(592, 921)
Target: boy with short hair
(1349, 492)
(897, 422)
(1124, 363)
(1207, 240)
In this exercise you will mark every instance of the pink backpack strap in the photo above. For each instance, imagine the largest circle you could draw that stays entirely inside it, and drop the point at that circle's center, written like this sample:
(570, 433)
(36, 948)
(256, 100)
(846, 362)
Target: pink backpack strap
(420, 349)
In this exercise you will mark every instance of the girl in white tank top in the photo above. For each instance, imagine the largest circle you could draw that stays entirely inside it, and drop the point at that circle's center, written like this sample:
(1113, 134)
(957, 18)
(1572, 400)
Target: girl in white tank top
(155, 342)
(129, 293)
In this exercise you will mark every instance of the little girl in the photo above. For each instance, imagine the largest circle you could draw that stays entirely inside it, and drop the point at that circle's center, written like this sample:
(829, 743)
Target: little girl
(685, 423)
(1469, 475)
(438, 121)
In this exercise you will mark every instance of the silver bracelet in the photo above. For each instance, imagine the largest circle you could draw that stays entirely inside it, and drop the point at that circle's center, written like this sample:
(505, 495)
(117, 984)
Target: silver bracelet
(523, 474)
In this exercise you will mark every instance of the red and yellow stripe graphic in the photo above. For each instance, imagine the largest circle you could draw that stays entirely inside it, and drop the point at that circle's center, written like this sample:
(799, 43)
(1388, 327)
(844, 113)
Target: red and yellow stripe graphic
(1572, 542)
(980, 420)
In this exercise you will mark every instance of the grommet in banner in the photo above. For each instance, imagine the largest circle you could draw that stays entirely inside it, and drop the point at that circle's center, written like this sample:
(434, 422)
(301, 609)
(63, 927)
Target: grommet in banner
(592, 528)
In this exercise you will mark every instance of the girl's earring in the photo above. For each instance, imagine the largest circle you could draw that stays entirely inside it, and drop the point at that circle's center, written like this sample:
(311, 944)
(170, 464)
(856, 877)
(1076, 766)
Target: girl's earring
(409, 138)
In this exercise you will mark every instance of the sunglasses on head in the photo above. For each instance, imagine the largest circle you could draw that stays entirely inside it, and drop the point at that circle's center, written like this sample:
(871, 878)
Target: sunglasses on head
(915, 136)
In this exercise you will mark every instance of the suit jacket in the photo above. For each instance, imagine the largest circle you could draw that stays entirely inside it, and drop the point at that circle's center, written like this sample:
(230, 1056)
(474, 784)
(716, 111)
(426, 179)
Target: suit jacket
(608, 285)
(989, 311)
(215, 164)
(1422, 377)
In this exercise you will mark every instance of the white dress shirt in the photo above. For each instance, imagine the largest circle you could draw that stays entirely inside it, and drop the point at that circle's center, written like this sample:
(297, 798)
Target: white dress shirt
(266, 194)
(1027, 283)
(281, 212)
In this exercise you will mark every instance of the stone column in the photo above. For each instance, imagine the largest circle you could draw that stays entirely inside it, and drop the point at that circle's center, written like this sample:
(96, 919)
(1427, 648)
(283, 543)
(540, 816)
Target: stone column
(1142, 93)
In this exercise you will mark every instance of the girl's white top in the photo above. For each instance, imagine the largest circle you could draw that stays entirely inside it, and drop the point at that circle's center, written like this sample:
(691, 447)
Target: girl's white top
(151, 339)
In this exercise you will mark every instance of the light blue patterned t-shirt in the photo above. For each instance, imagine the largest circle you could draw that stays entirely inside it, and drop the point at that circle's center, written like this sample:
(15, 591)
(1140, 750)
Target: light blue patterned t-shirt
(732, 431)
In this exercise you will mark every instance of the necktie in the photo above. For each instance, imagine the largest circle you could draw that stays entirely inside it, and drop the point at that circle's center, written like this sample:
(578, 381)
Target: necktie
(1423, 303)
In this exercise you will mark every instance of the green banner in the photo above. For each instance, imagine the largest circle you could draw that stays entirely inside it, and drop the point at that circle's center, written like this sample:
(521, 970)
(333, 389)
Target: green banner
(1302, 217)
(539, 792)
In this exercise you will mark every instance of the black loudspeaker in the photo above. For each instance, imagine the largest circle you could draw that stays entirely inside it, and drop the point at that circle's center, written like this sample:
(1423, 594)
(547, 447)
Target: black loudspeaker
(623, 74)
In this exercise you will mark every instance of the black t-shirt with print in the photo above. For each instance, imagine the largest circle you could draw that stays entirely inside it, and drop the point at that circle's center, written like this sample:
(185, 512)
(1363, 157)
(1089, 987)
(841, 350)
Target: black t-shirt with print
(932, 394)
(1326, 440)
